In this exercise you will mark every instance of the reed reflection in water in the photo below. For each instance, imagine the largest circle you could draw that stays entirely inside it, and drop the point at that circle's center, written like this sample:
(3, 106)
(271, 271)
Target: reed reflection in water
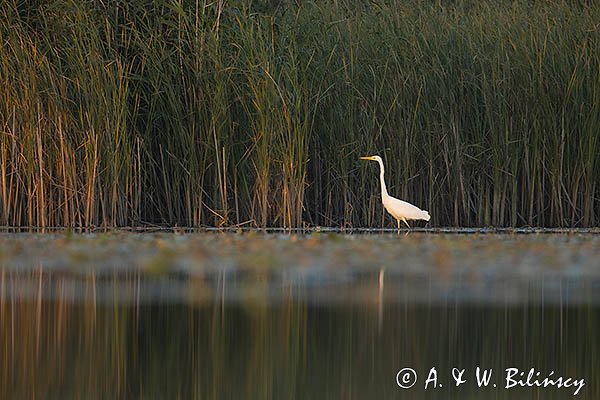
(253, 316)
(55, 347)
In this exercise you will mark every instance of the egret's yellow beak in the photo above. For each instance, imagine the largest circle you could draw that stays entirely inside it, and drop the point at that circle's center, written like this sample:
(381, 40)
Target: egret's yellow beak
(367, 158)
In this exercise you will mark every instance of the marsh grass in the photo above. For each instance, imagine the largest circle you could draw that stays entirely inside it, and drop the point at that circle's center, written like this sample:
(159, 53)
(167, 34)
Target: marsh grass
(212, 113)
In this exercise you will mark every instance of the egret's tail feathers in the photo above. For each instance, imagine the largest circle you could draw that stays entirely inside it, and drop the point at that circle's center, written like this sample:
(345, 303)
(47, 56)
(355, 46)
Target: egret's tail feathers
(426, 216)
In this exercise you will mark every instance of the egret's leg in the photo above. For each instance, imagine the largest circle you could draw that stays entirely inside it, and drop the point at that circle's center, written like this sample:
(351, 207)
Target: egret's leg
(404, 220)
(398, 226)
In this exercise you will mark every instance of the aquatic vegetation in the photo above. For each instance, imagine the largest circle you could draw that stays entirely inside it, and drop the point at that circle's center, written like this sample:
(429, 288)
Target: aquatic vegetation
(484, 267)
(212, 113)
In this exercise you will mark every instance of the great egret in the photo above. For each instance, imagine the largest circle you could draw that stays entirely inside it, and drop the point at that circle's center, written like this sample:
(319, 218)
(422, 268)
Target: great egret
(400, 210)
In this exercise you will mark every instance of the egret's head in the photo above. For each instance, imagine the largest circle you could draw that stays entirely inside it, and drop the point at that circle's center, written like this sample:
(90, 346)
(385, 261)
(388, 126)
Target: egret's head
(372, 158)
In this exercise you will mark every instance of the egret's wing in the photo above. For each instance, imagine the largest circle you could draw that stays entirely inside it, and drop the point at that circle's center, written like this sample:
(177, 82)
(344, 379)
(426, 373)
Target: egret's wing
(402, 209)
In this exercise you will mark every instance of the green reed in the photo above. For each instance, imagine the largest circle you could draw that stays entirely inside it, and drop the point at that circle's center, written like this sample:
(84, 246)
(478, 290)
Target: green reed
(255, 112)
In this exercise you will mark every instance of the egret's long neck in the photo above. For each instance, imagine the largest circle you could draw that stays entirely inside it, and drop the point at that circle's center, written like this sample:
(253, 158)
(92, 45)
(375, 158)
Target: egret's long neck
(384, 192)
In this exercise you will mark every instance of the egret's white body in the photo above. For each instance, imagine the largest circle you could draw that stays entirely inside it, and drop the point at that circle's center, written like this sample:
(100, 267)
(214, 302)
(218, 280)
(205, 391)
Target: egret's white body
(400, 210)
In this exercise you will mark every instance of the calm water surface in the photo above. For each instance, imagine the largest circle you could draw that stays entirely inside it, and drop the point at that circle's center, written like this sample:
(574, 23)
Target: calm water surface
(322, 316)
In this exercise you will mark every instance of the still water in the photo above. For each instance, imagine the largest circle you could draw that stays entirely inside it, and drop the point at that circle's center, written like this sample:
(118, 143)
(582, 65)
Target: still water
(320, 316)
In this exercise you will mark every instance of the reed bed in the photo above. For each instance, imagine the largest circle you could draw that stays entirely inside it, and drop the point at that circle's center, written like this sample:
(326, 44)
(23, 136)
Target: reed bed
(254, 113)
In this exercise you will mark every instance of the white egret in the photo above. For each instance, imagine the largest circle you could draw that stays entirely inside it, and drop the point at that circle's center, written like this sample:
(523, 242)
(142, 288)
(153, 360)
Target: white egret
(400, 210)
